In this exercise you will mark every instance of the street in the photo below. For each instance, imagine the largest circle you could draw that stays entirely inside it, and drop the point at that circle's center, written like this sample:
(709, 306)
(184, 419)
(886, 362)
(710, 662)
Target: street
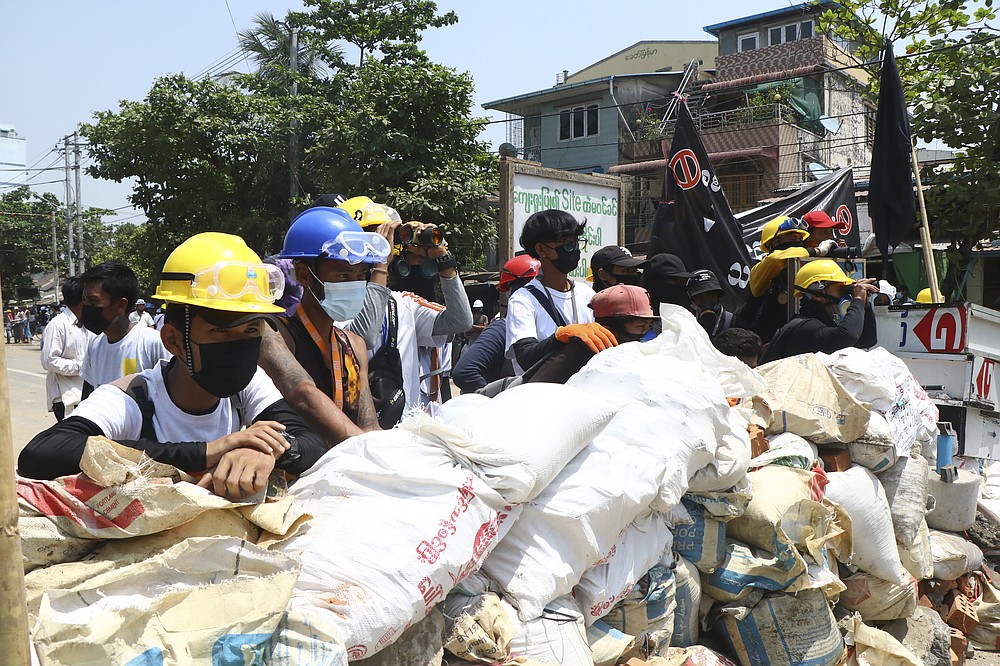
(26, 384)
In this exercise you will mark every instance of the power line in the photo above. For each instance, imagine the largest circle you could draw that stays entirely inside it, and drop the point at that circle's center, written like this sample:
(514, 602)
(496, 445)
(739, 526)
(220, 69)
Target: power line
(237, 33)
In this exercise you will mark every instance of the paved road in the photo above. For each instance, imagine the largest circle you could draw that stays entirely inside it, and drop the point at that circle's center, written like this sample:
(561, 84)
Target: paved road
(26, 383)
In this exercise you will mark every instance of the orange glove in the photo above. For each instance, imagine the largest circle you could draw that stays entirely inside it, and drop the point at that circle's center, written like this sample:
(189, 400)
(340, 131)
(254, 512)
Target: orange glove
(595, 336)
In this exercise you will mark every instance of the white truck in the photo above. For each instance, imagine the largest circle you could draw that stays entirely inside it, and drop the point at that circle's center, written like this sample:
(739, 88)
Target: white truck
(953, 351)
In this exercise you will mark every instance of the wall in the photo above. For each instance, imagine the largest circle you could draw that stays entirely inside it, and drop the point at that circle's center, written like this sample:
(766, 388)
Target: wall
(651, 56)
(584, 154)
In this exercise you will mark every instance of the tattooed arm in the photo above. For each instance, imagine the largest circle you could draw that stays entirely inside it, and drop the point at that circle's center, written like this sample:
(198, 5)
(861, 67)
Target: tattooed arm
(367, 416)
(301, 392)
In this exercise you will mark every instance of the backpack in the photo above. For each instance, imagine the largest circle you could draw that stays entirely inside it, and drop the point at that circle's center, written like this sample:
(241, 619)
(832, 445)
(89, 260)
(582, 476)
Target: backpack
(385, 376)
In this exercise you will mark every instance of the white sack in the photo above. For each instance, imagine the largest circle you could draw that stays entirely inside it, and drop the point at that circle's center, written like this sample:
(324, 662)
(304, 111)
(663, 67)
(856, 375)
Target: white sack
(917, 558)
(788, 450)
(558, 637)
(861, 495)
(518, 441)
(878, 600)
(905, 485)
(687, 597)
(953, 556)
(442, 519)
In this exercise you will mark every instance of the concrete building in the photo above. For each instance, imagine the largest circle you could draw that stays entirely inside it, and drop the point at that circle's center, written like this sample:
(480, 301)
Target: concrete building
(13, 156)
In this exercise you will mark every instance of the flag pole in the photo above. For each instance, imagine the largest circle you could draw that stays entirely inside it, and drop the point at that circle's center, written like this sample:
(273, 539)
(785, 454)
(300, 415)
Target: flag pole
(13, 610)
(925, 234)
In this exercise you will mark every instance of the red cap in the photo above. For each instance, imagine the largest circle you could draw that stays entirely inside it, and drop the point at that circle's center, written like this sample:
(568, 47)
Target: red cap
(819, 219)
(621, 300)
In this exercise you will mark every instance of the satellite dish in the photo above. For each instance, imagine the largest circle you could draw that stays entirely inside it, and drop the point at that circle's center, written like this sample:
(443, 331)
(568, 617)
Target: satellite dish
(831, 125)
(507, 150)
(818, 170)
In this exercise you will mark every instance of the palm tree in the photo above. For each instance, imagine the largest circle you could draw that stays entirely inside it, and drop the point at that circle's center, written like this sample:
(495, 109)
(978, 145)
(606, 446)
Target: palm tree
(268, 44)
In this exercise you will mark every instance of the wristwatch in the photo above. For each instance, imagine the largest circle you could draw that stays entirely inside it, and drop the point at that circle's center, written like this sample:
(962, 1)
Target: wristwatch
(446, 261)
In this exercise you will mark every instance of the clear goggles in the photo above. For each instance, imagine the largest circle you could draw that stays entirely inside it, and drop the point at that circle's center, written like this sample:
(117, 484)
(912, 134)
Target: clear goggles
(792, 224)
(357, 247)
(234, 280)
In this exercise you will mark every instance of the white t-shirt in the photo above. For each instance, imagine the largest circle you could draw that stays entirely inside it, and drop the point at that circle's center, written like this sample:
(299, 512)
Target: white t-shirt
(416, 329)
(118, 415)
(64, 348)
(139, 350)
(145, 319)
(526, 318)
(426, 358)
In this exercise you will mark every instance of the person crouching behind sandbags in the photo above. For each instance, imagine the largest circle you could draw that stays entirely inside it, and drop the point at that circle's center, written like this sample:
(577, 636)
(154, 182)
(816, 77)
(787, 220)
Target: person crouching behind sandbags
(210, 408)
(834, 313)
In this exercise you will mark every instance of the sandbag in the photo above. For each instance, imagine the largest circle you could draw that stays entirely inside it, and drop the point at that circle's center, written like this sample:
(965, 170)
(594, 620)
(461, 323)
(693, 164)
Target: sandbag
(746, 569)
(477, 628)
(607, 644)
(444, 520)
(788, 450)
(696, 655)
(644, 542)
(558, 637)
(647, 613)
(687, 597)
(782, 630)
(806, 399)
(732, 458)
(953, 556)
(204, 600)
(905, 485)
(517, 457)
(882, 380)
(986, 635)
(703, 541)
(862, 496)
(776, 490)
(917, 558)
(878, 600)
(874, 646)
(724, 504)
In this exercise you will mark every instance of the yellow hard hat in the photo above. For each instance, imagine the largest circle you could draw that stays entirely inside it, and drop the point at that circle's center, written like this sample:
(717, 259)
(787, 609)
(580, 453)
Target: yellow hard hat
(780, 226)
(367, 213)
(220, 272)
(820, 270)
(924, 296)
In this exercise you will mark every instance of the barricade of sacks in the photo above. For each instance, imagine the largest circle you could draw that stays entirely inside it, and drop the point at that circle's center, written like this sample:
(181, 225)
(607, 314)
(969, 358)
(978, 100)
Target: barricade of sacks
(667, 506)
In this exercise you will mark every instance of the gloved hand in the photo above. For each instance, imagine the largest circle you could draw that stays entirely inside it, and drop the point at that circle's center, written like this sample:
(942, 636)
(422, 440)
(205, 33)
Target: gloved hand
(826, 247)
(595, 336)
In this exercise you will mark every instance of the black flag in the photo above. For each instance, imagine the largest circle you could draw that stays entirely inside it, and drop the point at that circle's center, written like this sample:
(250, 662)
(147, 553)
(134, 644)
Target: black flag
(890, 190)
(696, 223)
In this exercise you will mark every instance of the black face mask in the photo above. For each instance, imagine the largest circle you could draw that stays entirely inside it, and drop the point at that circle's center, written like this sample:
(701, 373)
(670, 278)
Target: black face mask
(226, 367)
(93, 319)
(566, 260)
(673, 293)
(631, 280)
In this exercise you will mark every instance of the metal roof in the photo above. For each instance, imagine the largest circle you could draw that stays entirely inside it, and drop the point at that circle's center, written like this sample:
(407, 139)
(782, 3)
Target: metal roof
(802, 8)
(517, 103)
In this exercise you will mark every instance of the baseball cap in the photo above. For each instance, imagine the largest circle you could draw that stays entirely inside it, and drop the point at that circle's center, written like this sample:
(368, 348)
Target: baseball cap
(819, 219)
(621, 300)
(613, 255)
(703, 281)
(665, 265)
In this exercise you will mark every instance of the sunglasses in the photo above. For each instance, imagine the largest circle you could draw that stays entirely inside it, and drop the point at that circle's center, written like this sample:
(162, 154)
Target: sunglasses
(570, 244)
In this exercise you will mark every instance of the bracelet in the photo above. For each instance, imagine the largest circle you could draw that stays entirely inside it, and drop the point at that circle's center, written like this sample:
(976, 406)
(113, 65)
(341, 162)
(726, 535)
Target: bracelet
(446, 261)
(380, 270)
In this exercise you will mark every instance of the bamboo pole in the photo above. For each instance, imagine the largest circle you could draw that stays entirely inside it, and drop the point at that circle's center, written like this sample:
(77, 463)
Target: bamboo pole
(925, 234)
(13, 608)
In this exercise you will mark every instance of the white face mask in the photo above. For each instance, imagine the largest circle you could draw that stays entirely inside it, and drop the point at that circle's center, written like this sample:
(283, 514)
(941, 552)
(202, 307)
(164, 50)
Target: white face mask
(342, 301)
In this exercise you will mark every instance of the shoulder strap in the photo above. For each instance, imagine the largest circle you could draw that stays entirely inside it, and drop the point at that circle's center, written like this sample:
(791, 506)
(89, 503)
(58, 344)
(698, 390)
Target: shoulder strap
(547, 305)
(138, 390)
(393, 329)
(236, 404)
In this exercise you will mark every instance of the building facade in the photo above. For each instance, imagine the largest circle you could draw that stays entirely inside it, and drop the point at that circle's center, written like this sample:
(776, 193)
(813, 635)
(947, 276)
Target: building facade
(13, 156)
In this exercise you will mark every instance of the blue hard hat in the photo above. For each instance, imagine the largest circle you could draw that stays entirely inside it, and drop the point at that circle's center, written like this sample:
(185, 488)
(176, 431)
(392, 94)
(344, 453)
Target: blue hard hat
(323, 232)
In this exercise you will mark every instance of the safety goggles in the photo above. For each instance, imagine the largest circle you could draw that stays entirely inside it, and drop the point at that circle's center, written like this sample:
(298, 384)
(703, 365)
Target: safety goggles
(374, 214)
(357, 247)
(570, 244)
(793, 224)
(233, 280)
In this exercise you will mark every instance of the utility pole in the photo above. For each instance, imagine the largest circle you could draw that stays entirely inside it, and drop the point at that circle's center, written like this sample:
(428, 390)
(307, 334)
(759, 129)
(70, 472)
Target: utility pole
(69, 218)
(55, 258)
(293, 137)
(81, 251)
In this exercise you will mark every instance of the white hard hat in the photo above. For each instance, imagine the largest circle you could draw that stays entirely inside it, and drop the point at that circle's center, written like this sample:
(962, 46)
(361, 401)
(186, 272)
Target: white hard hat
(477, 303)
(140, 302)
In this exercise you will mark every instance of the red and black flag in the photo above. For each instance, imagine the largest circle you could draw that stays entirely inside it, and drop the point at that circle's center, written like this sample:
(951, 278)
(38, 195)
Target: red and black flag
(890, 190)
(695, 222)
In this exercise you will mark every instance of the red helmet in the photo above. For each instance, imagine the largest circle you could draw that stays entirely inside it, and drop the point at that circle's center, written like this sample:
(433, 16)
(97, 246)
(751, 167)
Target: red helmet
(521, 267)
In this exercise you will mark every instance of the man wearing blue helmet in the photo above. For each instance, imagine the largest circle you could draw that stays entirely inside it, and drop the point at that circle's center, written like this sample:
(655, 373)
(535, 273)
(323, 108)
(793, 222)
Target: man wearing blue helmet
(333, 258)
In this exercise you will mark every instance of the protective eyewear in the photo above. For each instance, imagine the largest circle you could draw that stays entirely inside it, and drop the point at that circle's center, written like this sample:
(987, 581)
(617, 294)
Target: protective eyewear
(357, 247)
(232, 280)
(793, 224)
(571, 244)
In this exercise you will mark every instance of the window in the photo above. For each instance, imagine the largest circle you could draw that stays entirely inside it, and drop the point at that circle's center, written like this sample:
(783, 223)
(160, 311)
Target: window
(789, 33)
(747, 42)
(578, 122)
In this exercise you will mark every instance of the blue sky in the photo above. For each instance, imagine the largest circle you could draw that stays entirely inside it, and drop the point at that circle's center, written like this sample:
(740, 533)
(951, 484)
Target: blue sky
(65, 59)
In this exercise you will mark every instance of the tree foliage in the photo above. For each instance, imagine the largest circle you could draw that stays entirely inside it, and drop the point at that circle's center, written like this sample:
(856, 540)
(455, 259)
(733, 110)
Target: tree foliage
(949, 76)
(211, 155)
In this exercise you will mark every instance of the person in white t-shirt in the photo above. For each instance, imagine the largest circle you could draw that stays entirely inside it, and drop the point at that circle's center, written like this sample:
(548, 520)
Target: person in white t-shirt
(64, 347)
(552, 309)
(121, 346)
(210, 409)
(140, 315)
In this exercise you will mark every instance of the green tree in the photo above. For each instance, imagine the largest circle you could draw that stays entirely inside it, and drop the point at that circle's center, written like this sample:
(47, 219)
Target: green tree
(949, 77)
(25, 237)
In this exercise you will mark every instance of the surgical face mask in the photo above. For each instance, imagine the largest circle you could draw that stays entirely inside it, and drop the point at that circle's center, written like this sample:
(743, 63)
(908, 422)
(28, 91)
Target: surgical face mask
(566, 260)
(93, 319)
(342, 301)
(226, 367)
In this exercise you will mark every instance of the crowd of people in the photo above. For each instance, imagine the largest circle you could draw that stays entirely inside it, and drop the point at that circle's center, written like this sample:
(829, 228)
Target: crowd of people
(21, 323)
(254, 367)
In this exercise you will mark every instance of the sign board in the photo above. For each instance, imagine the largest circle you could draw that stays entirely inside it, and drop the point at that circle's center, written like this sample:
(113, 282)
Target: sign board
(526, 188)
(984, 378)
(939, 330)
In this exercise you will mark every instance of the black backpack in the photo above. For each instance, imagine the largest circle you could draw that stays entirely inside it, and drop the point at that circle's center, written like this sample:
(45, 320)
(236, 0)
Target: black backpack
(385, 376)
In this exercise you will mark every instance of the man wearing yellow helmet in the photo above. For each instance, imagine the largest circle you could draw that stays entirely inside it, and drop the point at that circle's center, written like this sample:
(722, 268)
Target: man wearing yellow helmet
(781, 239)
(210, 408)
(834, 313)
